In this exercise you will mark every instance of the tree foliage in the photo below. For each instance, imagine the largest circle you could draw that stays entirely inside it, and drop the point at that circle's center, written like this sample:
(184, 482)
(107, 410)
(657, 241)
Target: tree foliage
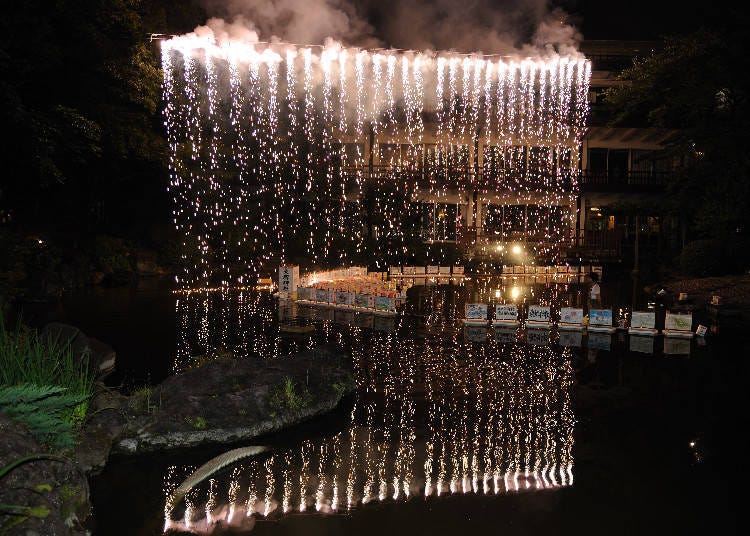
(80, 86)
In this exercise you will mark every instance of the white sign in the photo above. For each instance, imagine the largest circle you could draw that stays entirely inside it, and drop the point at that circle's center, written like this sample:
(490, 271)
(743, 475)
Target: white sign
(288, 280)
(571, 315)
(384, 303)
(344, 298)
(395, 270)
(445, 269)
(643, 319)
(433, 269)
(678, 322)
(364, 300)
(506, 312)
(600, 317)
(701, 331)
(476, 311)
(538, 313)
(458, 269)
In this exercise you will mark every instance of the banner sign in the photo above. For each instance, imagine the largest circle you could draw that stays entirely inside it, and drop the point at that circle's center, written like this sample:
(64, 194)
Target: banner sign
(538, 313)
(288, 280)
(506, 312)
(571, 315)
(384, 303)
(643, 319)
(600, 317)
(476, 311)
(679, 322)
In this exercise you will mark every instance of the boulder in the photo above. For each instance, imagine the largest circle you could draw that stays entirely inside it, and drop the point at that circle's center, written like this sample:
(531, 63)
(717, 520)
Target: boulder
(54, 487)
(99, 356)
(232, 399)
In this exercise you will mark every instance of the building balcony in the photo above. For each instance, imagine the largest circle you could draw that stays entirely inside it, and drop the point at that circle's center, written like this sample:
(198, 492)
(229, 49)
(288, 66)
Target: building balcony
(624, 181)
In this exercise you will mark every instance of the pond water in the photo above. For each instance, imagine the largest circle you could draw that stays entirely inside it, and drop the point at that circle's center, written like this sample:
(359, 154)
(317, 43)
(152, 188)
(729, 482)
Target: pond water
(450, 428)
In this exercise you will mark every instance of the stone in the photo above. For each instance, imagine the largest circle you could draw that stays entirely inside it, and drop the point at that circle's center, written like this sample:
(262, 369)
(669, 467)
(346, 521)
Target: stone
(56, 484)
(230, 400)
(99, 356)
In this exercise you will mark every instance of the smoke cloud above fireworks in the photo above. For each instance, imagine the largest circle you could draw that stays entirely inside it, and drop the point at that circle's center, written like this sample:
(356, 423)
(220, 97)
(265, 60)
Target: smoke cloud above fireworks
(528, 27)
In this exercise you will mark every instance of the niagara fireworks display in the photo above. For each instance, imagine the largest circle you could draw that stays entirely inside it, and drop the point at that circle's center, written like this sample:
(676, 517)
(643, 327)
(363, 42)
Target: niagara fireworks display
(279, 149)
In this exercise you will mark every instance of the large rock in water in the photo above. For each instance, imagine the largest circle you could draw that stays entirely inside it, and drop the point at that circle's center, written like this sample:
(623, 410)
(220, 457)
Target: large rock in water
(234, 399)
(99, 356)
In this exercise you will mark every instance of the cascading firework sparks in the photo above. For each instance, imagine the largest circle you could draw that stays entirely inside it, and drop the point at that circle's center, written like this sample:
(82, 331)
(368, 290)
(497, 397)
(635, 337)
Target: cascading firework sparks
(280, 151)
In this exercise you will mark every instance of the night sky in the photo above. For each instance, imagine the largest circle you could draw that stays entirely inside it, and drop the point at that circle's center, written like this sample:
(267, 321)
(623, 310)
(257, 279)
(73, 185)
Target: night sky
(647, 19)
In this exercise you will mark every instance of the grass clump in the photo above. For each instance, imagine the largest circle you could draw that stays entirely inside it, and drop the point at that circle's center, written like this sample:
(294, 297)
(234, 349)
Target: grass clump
(286, 398)
(43, 385)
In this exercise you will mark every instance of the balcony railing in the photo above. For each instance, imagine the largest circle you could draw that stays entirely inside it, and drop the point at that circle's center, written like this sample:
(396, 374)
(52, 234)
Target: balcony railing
(623, 181)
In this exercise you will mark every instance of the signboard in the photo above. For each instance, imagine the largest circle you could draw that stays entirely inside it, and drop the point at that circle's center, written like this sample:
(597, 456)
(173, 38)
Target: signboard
(541, 269)
(518, 269)
(395, 270)
(643, 319)
(678, 322)
(475, 333)
(600, 317)
(701, 331)
(476, 311)
(571, 338)
(538, 313)
(506, 312)
(571, 315)
(597, 270)
(600, 341)
(408, 270)
(562, 269)
(384, 303)
(305, 293)
(323, 295)
(364, 300)
(344, 298)
(445, 270)
(288, 281)
(458, 269)
(433, 269)
(419, 270)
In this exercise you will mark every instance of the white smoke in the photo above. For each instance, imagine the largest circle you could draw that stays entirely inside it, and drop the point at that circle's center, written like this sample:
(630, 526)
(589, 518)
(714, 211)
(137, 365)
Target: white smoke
(528, 27)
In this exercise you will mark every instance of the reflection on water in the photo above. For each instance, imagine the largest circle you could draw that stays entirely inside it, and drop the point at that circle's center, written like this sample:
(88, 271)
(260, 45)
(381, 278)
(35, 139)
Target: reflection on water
(438, 409)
